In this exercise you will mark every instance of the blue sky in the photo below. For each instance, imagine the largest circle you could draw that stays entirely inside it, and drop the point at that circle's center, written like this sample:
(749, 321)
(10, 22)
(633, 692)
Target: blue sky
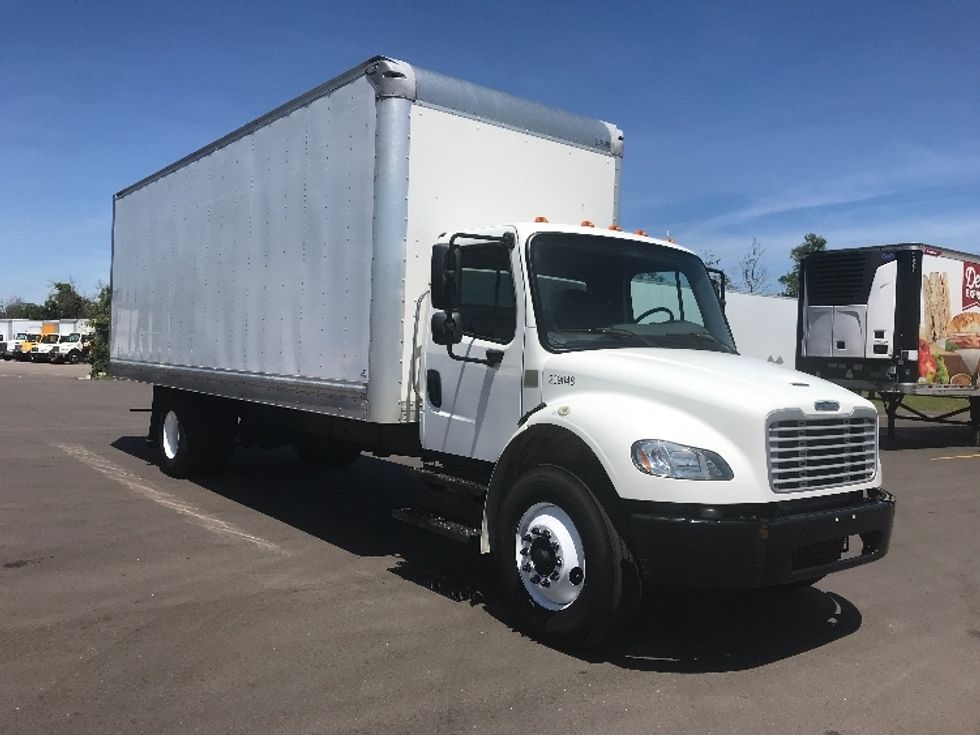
(855, 120)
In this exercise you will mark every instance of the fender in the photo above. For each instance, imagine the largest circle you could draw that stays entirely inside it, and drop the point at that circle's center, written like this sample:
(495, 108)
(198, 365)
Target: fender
(591, 433)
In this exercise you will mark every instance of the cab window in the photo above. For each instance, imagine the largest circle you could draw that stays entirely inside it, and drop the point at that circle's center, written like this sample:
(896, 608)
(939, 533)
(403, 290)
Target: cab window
(487, 294)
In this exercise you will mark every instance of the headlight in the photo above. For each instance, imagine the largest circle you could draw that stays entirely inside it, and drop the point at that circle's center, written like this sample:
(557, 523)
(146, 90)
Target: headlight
(667, 459)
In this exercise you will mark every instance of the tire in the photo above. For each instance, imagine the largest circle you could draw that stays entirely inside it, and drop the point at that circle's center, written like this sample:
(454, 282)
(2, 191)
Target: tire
(191, 439)
(178, 442)
(566, 570)
(315, 454)
(74, 357)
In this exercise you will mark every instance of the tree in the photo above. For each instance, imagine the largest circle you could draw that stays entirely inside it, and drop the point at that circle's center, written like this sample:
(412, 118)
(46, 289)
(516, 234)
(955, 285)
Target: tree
(64, 302)
(711, 260)
(99, 314)
(99, 318)
(754, 275)
(16, 308)
(812, 243)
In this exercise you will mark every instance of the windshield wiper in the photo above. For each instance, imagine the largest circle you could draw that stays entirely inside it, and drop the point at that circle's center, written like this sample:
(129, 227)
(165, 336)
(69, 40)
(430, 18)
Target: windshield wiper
(705, 336)
(610, 331)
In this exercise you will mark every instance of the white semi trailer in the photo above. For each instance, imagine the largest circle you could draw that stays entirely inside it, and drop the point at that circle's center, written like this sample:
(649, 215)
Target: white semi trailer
(362, 269)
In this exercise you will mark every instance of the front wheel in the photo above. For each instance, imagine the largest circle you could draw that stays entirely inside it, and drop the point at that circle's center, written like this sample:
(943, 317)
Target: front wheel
(566, 569)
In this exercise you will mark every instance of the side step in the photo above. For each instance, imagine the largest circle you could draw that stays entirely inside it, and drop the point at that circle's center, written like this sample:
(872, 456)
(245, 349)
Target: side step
(472, 489)
(437, 524)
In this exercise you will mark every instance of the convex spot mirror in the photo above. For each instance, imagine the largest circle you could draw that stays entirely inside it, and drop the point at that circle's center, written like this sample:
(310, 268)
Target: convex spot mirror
(446, 328)
(447, 276)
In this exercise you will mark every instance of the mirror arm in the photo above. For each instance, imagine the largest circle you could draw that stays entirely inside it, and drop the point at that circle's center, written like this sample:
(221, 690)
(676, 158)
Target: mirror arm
(493, 358)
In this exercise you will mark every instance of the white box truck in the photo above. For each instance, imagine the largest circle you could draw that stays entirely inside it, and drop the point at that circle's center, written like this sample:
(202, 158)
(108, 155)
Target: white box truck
(362, 269)
(896, 320)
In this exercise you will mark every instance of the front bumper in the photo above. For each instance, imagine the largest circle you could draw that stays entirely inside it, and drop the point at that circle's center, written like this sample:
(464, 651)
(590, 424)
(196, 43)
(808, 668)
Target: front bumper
(762, 545)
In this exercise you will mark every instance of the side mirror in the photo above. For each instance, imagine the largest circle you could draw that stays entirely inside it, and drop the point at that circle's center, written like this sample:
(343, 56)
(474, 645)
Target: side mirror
(447, 273)
(446, 328)
(719, 282)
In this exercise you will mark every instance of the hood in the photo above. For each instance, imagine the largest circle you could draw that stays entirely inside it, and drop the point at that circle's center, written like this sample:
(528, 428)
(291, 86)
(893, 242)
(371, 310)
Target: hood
(685, 378)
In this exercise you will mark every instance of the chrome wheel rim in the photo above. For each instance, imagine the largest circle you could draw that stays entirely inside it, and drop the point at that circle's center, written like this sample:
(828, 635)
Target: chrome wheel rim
(171, 435)
(550, 556)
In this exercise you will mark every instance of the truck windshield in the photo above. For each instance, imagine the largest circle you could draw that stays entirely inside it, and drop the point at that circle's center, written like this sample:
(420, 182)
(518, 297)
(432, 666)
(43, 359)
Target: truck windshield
(50, 339)
(593, 292)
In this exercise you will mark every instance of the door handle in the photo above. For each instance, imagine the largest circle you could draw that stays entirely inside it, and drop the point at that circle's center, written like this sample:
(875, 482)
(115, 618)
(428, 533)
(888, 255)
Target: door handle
(433, 387)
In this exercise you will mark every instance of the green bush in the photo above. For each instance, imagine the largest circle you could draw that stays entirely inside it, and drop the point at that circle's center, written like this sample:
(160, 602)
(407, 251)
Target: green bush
(99, 318)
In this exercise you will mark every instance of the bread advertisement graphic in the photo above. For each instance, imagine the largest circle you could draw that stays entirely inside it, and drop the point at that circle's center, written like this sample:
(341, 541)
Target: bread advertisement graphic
(949, 330)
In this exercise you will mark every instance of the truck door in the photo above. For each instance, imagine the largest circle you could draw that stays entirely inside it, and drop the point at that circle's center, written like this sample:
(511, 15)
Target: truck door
(470, 409)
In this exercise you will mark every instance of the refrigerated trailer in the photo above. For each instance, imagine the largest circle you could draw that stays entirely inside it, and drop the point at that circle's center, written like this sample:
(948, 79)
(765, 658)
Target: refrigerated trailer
(371, 267)
(894, 320)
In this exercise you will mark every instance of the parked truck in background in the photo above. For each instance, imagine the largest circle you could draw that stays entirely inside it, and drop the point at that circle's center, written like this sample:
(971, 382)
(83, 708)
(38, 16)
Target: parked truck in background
(896, 320)
(573, 391)
(22, 345)
(72, 348)
(42, 350)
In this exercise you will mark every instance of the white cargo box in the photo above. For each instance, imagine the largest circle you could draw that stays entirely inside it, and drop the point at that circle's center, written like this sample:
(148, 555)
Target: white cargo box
(285, 263)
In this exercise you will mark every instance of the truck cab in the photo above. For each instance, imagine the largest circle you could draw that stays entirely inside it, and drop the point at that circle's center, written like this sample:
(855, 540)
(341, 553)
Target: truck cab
(44, 346)
(596, 375)
(71, 348)
(23, 344)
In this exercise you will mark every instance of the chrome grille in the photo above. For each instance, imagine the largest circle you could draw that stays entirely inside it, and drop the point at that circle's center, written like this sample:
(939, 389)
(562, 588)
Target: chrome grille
(809, 454)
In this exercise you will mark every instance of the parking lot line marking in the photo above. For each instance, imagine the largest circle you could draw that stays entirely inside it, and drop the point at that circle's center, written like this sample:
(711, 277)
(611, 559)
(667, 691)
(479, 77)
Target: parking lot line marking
(137, 485)
(958, 456)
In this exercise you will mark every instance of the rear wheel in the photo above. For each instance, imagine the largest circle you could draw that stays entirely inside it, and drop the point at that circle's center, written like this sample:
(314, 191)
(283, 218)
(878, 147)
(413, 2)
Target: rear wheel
(566, 569)
(74, 357)
(179, 443)
(193, 439)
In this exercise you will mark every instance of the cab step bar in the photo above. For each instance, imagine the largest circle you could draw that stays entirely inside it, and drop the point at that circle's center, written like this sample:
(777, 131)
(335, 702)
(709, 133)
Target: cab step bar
(431, 522)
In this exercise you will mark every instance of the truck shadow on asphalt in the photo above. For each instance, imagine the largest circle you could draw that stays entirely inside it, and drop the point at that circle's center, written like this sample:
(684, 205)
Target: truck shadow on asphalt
(915, 435)
(676, 631)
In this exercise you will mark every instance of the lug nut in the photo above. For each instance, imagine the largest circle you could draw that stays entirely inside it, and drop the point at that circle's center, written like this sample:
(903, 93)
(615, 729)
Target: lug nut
(527, 538)
(545, 583)
(535, 578)
(525, 551)
(525, 567)
(546, 533)
(554, 546)
(558, 561)
(554, 576)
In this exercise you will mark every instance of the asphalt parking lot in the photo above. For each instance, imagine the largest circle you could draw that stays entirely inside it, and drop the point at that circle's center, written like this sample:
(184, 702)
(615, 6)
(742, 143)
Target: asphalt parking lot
(273, 599)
